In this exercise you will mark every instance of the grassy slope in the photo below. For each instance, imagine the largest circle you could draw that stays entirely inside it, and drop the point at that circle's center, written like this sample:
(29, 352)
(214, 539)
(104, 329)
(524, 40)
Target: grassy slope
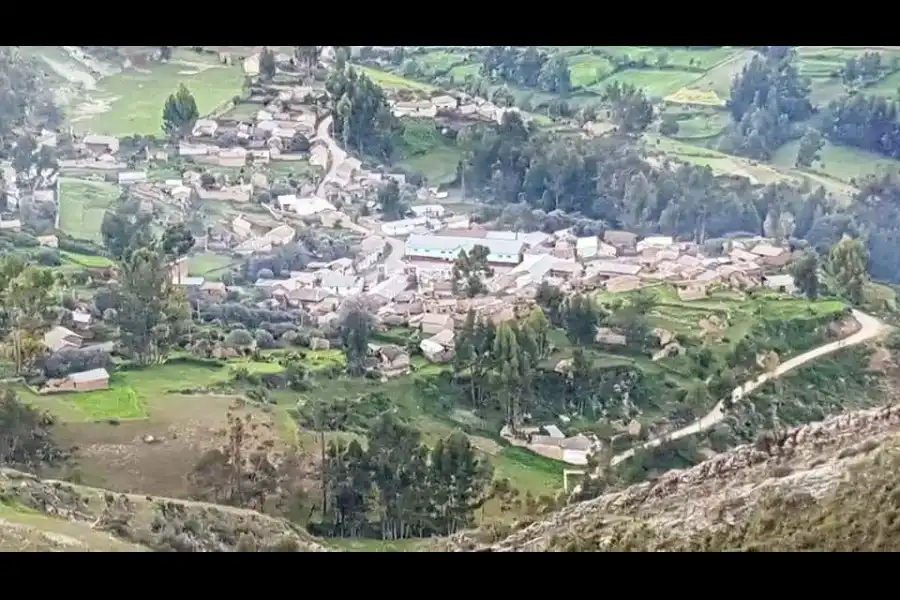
(28, 521)
(82, 205)
(136, 97)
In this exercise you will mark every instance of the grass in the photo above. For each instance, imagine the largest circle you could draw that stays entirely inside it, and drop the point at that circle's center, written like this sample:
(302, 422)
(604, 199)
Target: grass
(529, 472)
(208, 264)
(136, 98)
(422, 149)
(391, 81)
(840, 162)
(697, 123)
(86, 260)
(655, 83)
(757, 173)
(82, 205)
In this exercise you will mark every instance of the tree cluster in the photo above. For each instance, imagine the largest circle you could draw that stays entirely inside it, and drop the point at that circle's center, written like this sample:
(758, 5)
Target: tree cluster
(362, 117)
(767, 99)
(398, 488)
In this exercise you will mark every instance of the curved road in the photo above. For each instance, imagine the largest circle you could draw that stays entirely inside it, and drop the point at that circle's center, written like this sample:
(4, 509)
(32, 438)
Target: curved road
(870, 327)
(393, 261)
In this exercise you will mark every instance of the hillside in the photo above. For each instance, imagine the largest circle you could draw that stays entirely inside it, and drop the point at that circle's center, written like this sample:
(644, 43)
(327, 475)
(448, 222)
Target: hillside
(45, 515)
(823, 486)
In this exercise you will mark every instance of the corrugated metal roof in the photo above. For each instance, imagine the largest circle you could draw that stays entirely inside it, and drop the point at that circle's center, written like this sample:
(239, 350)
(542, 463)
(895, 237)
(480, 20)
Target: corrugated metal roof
(455, 244)
(92, 375)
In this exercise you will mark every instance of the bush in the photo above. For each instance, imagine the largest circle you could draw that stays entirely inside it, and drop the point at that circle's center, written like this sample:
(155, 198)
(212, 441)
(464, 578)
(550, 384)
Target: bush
(263, 339)
(239, 338)
(48, 257)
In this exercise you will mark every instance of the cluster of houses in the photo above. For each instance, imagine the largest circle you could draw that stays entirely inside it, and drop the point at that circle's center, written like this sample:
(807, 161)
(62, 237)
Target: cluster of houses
(459, 106)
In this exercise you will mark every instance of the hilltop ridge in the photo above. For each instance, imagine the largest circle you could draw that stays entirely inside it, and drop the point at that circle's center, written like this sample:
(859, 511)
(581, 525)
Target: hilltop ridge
(825, 485)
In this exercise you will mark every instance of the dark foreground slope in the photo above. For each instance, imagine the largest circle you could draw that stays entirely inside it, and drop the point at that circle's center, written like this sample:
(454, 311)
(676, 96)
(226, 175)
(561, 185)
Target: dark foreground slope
(41, 515)
(832, 486)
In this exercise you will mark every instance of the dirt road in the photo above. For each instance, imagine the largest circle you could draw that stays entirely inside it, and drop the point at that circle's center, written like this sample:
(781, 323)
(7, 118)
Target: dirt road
(393, 261)
(870, 327)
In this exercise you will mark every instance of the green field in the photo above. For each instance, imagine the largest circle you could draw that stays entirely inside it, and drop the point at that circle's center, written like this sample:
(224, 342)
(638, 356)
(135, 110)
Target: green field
(391, 81)
(697, 123)
(725, 164)
(209, 264)
(135, 98)
(82, 205)
(86, 260)
(840, 162)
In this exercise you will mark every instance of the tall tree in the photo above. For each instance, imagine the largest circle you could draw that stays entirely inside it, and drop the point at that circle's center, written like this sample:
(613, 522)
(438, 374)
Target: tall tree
(26, 293)
(150, 310)
(810, 147)
(847, 265)
(267, 64)
(470, 270)
(180, 112)
(806, 275)
(356, 326)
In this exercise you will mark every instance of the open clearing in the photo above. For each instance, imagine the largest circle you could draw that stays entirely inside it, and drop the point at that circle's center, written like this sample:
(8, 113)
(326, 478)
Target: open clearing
(757, 173)
(209, 265)
(134, 99)
(82, 205)
(839, 162)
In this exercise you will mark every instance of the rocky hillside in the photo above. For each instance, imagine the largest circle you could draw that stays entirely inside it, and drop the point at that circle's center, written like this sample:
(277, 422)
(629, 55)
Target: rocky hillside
(41, 515)
(824, 486)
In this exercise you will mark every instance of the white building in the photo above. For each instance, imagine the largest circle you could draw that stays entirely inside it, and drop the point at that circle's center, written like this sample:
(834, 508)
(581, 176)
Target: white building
(447, 248)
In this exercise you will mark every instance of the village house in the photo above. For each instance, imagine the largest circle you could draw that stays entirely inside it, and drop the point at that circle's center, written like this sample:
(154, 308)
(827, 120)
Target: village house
(306, 296)
(214, 290)
(659, 241)
(447, 248)
(132, 177)
(253, 246)
(101, 144)
(439, 347)
(344, 266)
(586, 247)
(81, 319)
(205, 127)
(625, 242)
(60, 338)
(434, 211)
(433, 323)
(601, 270)
(11, 225)
(781, 283)
(242, 227)
(771, 256)
(50, 241)
(370, 250)
(403, 226)
(393, 360)
(341, 285)
(281, 235)
(387, 291)
(605, 335)
(85, 381)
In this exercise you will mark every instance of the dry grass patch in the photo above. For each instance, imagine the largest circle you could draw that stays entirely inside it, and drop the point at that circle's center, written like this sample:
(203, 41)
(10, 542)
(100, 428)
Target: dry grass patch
(117, 457)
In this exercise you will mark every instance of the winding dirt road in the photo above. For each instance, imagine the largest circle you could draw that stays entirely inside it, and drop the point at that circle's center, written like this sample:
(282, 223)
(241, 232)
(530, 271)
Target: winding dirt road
(870, 328)
(393, 260)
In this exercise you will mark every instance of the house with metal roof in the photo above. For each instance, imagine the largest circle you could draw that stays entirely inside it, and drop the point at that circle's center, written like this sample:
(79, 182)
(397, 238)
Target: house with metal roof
(447, 248)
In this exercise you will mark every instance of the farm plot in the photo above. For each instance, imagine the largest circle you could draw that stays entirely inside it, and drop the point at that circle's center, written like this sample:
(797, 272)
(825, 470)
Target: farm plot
(655, 83)
(840, 162)
(757, 173)
(82, 205)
